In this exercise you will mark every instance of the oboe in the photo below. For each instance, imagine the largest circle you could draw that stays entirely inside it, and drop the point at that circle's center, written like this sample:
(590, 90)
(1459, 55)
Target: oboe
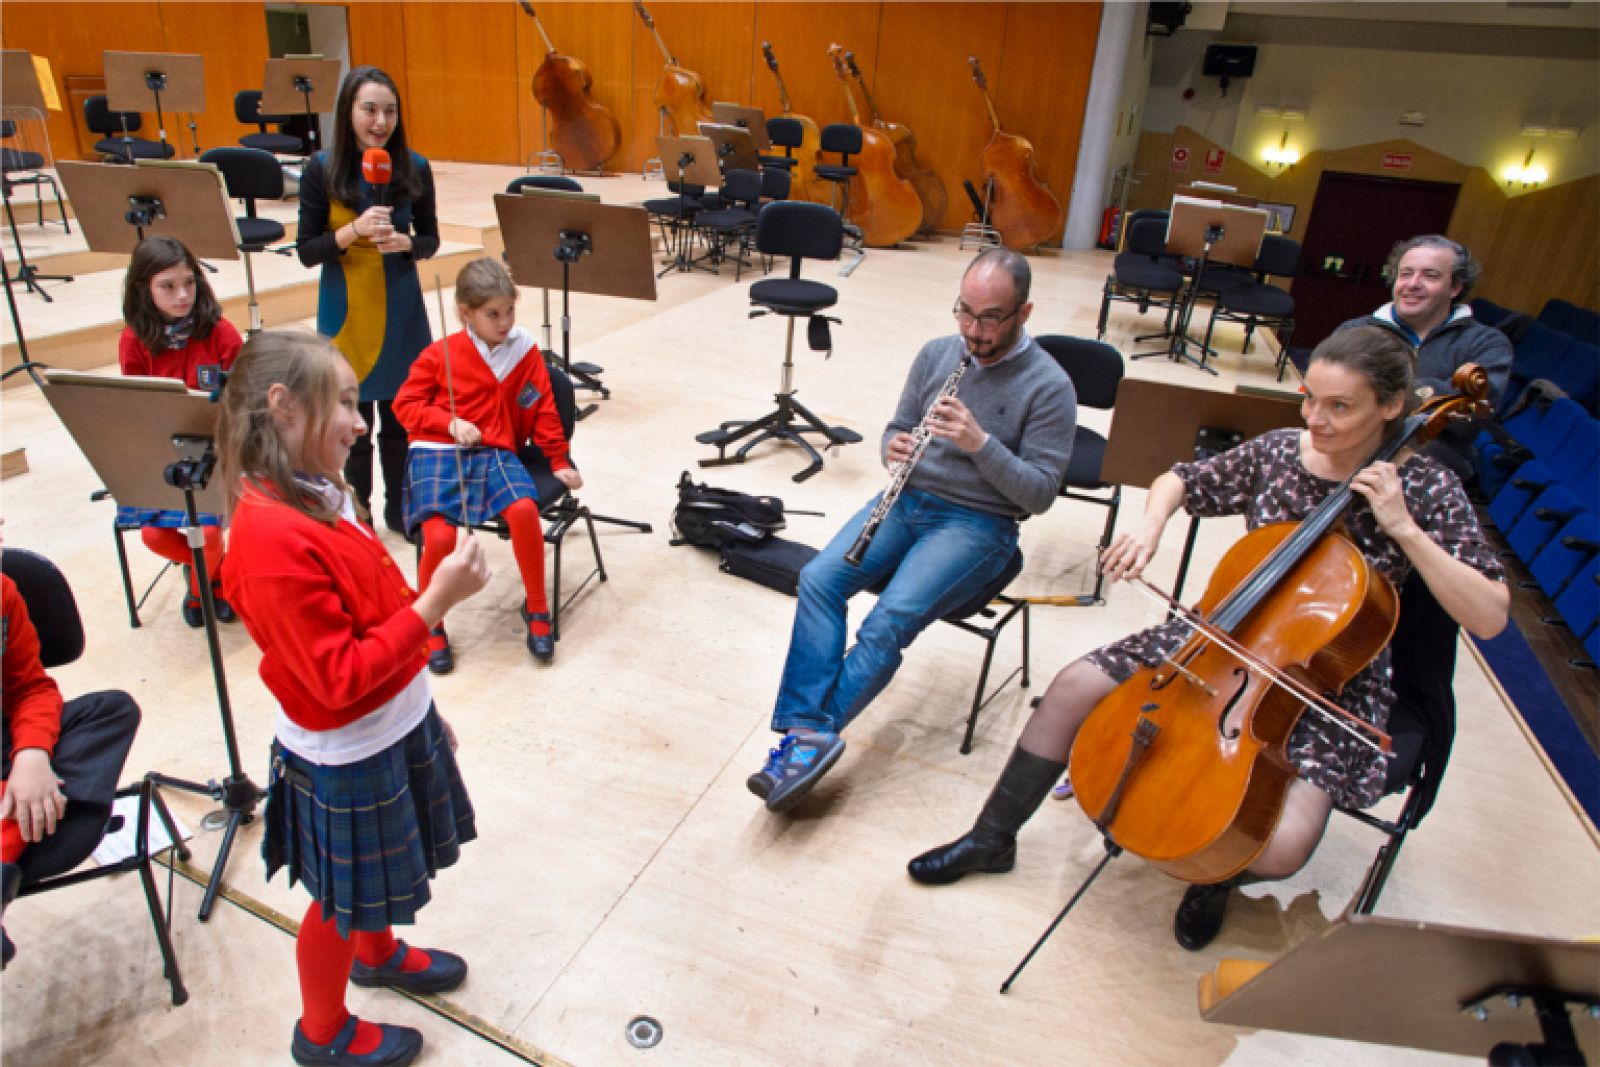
(920, 437)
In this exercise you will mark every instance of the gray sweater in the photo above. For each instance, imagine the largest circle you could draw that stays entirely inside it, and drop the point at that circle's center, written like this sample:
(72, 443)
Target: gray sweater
(1027, 406)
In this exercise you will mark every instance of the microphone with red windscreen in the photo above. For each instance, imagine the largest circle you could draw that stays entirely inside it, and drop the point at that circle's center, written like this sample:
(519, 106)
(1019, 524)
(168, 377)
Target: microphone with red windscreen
(377, 170)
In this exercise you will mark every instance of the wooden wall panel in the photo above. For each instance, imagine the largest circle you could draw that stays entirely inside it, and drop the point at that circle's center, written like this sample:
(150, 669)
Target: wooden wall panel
(711, 39)
(233, 39)
(602, 37)
(1545, 248)
(73, 37)
(800, 34)
(377, 38)
(461, 75)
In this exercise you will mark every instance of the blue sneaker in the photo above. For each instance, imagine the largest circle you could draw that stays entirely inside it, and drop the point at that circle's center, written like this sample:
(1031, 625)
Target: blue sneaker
(797, 764)
(761, 782)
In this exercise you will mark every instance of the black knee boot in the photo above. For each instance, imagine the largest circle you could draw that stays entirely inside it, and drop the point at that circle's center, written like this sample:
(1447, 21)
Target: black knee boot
(10, 882)
(392, 451)
(1203, 908)
(991, 845)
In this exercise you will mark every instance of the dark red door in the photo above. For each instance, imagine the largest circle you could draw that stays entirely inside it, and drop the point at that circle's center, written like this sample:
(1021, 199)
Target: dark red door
(1355, 221)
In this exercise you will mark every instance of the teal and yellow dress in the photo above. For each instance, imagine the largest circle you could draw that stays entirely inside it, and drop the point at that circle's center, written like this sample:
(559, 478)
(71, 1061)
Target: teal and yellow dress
(369, 304)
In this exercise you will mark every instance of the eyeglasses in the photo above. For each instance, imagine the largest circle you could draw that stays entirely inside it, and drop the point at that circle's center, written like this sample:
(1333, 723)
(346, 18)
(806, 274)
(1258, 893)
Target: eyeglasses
(988, 320)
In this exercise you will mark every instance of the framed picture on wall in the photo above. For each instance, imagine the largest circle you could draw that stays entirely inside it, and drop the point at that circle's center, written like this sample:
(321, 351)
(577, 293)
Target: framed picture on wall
(1280, 217)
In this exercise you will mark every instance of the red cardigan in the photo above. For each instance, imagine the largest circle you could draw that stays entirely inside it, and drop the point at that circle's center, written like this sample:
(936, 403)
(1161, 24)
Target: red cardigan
(329, 609)
(507, 413)
(221, 347)
(30, 699)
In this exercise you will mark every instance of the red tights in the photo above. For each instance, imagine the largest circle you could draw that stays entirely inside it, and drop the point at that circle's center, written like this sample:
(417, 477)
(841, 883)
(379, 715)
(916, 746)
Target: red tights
(171, 545)
(527, 544)
(324, 959)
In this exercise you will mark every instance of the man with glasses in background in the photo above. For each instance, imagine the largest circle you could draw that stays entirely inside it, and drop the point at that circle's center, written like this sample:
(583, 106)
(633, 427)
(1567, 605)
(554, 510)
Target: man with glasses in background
(997, 451)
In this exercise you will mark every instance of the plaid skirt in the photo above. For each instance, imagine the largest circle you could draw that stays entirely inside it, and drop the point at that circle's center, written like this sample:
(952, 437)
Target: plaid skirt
(495, 479)
(166, 518)
(366, 837)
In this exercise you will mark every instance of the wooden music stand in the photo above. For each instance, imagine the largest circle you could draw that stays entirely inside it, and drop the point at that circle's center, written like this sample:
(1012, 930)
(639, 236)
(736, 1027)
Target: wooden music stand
(300, 83)
(1155, 425)
(746, 118)
(568, 242)
(118, 205)
(177, 80)
(1418, 985)
(1211, 232)
(736, 149)
(693, 160)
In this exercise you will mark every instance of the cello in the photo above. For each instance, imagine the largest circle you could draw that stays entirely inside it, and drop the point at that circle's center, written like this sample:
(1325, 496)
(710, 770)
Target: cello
(680, 94)
(1021, 206)
(804, 184)
(882, 203)
(929, 187)
(1184, 764)
(585, 133)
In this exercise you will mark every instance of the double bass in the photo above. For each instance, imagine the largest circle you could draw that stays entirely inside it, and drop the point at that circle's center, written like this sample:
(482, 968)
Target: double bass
(680, 93)
(1184, 764)
(803, 179)
(583, 132)
(882, 203)
(929, 187)
(1021, 206)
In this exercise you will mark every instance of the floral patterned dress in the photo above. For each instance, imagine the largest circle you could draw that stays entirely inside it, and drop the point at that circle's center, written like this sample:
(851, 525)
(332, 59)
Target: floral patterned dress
(1265, 481)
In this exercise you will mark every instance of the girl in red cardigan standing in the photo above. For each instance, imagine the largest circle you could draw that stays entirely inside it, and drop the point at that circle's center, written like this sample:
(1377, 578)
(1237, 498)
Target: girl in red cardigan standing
(502, 399)
(175, 330)
(365, 802)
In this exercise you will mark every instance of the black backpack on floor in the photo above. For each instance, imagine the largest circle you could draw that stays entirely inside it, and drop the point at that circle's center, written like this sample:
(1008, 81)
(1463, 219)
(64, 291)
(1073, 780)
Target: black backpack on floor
(711, 518)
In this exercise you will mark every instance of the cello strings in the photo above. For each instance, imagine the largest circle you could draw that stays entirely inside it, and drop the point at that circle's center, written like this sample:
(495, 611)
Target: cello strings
(1313, 700)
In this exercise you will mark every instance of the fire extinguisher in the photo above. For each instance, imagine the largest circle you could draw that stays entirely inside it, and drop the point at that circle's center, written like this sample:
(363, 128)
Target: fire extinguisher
(1109, 223)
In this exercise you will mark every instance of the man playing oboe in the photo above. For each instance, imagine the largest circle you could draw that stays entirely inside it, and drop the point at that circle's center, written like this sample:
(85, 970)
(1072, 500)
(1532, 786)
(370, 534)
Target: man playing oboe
(989, 445)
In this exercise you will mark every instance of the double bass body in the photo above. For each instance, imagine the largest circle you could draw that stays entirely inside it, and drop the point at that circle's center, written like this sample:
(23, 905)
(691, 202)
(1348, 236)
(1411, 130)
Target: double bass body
(582, 131)
(1204, 798)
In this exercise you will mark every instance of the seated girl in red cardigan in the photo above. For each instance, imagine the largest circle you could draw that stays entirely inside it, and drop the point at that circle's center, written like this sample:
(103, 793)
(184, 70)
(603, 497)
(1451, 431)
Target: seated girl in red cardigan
(175, 330)
(365, 802)
(502, 399)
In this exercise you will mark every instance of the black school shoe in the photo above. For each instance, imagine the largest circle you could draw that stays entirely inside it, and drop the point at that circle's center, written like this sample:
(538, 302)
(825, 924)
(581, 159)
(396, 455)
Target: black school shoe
(1200, 914)
(445, 971)
(543, 646)
(400, 1045)
(440, 660)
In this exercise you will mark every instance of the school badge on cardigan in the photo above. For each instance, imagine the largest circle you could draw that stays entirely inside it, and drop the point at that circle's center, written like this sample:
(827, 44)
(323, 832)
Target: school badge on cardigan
(528, 397)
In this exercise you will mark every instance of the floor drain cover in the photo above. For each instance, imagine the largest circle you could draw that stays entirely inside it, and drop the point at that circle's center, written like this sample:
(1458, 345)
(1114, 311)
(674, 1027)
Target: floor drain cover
(644, 1032)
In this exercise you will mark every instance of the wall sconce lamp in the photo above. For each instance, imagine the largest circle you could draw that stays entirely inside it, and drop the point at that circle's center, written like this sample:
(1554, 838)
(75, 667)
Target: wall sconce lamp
(1283, 155)
(1528, 175)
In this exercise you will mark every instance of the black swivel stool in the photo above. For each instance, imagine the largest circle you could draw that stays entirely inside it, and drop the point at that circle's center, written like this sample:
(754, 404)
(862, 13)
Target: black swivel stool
(116, 128)
(251, 174)
(786, 134)
(803, 231)
(247, 112)
(21, 167)
(845, 139)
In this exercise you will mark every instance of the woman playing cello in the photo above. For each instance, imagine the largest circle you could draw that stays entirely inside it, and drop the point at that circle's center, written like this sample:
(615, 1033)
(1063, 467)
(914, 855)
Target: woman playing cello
(1405, 516)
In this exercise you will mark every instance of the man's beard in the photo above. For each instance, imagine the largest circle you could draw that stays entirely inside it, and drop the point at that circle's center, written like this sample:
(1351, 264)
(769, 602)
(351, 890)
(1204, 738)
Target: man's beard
(988, 349)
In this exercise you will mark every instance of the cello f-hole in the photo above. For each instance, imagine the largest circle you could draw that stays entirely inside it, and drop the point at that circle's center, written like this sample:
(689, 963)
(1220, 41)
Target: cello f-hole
(1222, 719)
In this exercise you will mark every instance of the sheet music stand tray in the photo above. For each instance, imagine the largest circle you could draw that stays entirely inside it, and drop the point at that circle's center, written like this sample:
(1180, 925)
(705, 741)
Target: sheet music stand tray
(560, 241)
(301, 83)
(19, 88)
(736, 149)
(1209, 232)
(118, 206)
(150, 441)
(1420, 985)
(746, 118)
(693, 160)
(132, 78)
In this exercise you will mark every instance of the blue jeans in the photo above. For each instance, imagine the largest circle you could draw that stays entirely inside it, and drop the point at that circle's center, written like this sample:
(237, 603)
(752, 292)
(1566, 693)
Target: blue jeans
(936, 556)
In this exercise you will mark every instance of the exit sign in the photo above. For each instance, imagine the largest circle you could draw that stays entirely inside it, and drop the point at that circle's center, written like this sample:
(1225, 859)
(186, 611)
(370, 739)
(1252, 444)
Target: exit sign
(1398, 160)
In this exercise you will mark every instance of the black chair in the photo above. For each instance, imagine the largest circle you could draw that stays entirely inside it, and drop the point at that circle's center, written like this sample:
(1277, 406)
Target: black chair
(801, 230)
(1422, 726)
(845, 139)
(1259, 304)
(983, 606)
(787, 134)
(21, 167)
(734, 222)
(1096, 371)
(116, 128)
(247, 111)
(559, 509)
(51, 864)
(1143, 275)
(559, 183)
(251, 174)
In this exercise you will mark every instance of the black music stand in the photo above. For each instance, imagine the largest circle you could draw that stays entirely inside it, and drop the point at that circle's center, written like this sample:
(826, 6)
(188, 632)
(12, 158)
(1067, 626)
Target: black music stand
(736, 148)
(746, 118)
(151, 442)
(1421, 985)
(134, 77)
(293, 83)
(19, 87)
(554, 240)
(694, 160)
(1207, 231)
